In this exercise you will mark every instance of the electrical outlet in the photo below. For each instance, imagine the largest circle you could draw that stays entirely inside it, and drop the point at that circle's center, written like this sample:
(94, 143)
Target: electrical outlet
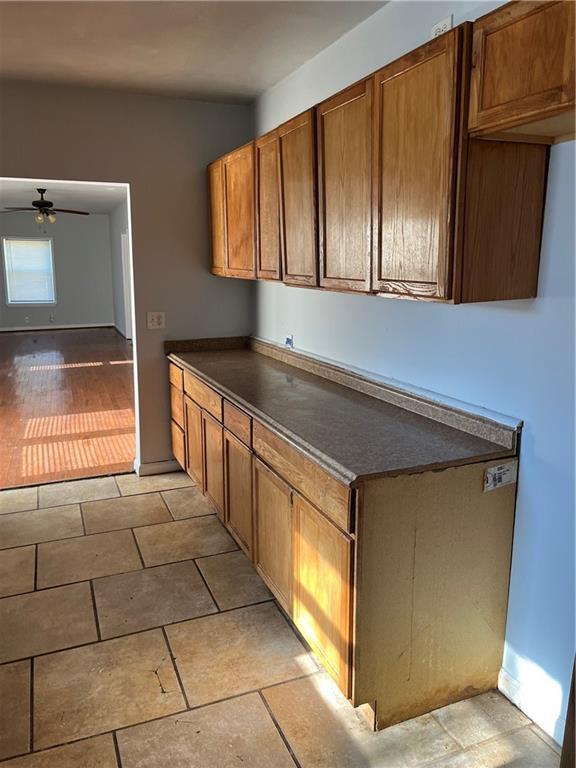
(289, 341)
(155, 320)
(52, 318)
(442, 26)
(27, 320)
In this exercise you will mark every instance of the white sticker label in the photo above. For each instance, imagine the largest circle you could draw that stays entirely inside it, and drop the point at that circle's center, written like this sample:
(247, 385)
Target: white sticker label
(502, 474)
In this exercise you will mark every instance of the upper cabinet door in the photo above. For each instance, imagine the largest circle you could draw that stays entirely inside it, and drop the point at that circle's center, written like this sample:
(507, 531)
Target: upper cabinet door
(523, 69)
(268, 240)
(415, 151)
(217, 229)
(238, 169)
(344, 134)
(298, 199)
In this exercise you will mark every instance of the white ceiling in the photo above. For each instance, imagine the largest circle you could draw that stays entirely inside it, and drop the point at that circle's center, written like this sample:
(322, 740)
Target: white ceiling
(214, 50)
(94, 198)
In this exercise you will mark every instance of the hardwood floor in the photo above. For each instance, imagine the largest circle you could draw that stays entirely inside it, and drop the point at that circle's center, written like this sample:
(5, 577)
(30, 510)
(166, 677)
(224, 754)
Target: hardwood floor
(66, 405)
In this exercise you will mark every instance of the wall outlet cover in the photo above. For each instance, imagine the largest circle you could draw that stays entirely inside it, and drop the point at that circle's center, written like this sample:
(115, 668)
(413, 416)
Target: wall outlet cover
(155, 320)
(442, 26)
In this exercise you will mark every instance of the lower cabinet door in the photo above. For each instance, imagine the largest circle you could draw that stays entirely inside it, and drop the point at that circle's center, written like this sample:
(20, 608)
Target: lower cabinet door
(273, 533)
(238, 491)
(194, 441)
(178, 448)
(213, 462)
(322, 589)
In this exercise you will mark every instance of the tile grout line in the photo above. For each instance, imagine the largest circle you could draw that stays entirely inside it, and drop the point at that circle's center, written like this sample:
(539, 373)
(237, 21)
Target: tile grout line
(138, 549)
(279, 729)
(96, 618)
(176, 670)
(31, 739)
(83, 521)
(199, 571)
(35, 568)
(117, 749)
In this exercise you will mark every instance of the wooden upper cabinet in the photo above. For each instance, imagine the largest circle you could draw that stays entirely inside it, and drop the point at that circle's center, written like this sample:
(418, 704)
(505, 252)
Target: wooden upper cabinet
(415, 148)
(217, 228)
(298, 200)
(523, 70)
(239, 219)
(268, 239)
(344, 134)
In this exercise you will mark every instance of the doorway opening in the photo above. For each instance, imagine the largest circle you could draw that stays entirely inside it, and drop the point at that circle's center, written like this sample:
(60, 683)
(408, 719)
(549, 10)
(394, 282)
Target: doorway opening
(67, 344)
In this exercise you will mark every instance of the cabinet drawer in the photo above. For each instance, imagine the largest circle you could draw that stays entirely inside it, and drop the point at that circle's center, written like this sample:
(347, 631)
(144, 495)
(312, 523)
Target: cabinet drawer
(177, 405)
(175, 376)
(178, 448)
(329, 495)
(238, 422)
(203, 395)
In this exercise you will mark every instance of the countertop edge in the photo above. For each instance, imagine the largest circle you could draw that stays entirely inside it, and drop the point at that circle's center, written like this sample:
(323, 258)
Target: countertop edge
(334, 468)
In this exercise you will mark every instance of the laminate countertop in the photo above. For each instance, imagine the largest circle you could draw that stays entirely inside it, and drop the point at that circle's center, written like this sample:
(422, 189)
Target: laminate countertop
(350, 434)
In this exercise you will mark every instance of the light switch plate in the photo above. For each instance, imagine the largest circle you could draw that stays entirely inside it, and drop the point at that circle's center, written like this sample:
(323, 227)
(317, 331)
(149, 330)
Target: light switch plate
(155, 320)
(442, 26)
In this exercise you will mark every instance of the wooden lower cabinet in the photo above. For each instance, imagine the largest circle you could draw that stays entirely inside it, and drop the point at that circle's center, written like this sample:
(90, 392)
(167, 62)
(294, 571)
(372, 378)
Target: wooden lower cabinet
(178, 445)
(322, 589)
(194, 463)
(213, 462)
(238, 491)
(273, 533)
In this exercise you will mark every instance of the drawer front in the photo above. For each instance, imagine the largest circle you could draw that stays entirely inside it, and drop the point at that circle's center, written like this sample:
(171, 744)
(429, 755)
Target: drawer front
(329, 495)
(176, 376)
(178, 448)
(238, 422)
(177, 405)
(203, 395)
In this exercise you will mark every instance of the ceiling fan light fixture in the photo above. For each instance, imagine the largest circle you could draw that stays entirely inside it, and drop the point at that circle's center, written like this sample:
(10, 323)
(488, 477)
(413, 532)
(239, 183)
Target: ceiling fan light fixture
(52, 218)
(39, 217)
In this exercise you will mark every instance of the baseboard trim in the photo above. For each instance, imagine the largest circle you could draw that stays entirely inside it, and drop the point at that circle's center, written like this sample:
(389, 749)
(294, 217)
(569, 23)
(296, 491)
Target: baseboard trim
(512, 689)
(53, 327)
(156, 467)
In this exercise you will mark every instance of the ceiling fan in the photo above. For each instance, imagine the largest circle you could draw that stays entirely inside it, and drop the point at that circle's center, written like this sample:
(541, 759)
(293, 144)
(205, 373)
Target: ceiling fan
(44, 209)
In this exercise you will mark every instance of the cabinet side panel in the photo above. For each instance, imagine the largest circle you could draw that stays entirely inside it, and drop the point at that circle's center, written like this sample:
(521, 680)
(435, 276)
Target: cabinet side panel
(432, 591)
(506, 186)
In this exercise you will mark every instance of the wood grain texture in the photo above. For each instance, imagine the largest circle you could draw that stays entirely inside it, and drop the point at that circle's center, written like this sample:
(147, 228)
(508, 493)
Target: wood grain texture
(331, 496)
(177, 406)
(433, 562)
(523, 65)
(415, 145)
(273, 533)
(268, 239)
(178, 444)
(213, 457)
(176, 376)
(203, 395)
(344, 135)
(238, 170)
(238, 491)
(322, 589)
(217, 218)
(238, 422)
(194, 452)
(66, 405)
(298, 200)
(506, 184)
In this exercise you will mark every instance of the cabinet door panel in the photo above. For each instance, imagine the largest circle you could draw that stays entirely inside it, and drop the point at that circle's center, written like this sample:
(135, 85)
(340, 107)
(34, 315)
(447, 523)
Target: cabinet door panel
(194, 464)
(273, 533)
(523, 66)
(178, 448)
(322, 590)
(217, 223)
(213, 462)
(416, 148)
(298, 200)
(238, 491)
(268, 240)
(238, 169)
(345, 188)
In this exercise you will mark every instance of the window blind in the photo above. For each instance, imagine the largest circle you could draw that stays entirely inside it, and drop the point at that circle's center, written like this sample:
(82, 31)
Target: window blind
(29, 271)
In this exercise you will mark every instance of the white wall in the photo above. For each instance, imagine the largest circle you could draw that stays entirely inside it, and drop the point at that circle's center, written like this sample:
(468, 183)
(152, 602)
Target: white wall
(118, 226)
(514, 357)
(82, 271)
(161, 147)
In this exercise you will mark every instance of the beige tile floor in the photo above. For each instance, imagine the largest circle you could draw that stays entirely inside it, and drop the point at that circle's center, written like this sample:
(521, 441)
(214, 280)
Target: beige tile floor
(135, 634)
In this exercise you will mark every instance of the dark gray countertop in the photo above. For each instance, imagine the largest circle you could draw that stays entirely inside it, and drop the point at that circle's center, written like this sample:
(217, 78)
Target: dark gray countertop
(351, 434)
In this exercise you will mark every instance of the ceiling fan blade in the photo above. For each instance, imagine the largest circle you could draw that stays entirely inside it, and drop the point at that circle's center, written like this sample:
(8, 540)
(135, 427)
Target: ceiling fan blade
(68, 210)
(10, 209)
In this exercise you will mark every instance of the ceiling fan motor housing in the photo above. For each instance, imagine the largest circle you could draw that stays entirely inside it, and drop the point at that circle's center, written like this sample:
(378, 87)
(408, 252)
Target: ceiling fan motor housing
(40, 204)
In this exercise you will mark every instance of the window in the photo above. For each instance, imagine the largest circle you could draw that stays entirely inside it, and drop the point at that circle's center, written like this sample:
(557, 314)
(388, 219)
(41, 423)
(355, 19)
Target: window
(29, 270)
